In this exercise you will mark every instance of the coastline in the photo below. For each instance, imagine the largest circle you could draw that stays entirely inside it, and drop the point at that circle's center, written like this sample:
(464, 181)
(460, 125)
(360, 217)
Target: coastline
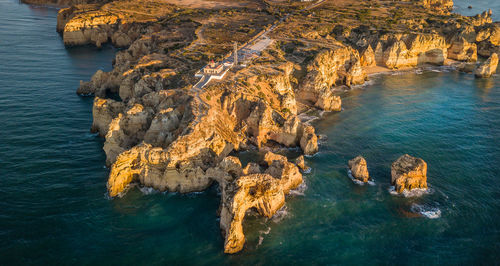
(186, 160)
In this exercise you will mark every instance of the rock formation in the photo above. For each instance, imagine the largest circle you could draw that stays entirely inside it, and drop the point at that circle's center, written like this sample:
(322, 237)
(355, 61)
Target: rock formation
(300, 162)
(462, 50)
(408, 173)
(263, 192)
(359, 169)
(166, 134)
(309, 141)
(330, 68)
(488, 68)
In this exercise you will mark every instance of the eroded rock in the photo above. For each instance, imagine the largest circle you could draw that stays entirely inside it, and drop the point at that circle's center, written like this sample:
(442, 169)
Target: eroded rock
(359, 169)
(408, 173)
(263, 192)
(488, 67)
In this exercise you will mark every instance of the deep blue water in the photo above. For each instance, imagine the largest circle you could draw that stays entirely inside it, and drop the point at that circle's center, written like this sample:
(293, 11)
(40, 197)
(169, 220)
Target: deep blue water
(53, 208)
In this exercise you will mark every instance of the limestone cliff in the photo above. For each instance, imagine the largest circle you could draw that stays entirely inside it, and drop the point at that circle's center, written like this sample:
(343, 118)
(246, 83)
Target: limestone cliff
(162, 132)
(330, 68)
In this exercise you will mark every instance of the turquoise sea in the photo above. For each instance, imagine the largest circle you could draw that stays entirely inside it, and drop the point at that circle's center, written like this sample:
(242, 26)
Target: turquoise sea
(54, 209)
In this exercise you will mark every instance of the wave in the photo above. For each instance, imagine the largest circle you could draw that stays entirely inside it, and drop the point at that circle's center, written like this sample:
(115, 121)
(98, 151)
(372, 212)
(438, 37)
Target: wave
(308, 170)
(300, 190)
(427, 211)
(261, 237)
(358, 182)
(280, 214)
(417, 192)
(148, 190)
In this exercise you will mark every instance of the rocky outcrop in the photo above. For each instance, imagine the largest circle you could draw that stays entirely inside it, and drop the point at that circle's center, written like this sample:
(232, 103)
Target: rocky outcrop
(103, 112)
(412, 50)
(488, 68)
(309, 141)
(461, 50)
(408, 173)
(442, 6)
(300, 162)
(488, 40)
(264, 193)
(359, 169)
(367, 57)
(118, 21)
(330, 68)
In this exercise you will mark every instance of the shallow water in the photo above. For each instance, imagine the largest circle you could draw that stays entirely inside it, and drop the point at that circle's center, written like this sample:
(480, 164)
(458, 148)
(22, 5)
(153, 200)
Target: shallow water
(54, 209)
(478, 6)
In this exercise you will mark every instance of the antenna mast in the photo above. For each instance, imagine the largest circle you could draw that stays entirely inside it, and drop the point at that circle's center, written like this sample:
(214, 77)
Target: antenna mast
(235, 53)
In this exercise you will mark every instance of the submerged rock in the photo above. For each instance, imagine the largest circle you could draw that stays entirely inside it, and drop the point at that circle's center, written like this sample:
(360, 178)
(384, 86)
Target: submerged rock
(488, 68)
(408, 173)
(359, 169)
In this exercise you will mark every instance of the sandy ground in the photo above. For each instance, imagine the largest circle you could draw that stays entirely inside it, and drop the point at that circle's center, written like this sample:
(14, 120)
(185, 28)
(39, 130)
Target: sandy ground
(206, 4)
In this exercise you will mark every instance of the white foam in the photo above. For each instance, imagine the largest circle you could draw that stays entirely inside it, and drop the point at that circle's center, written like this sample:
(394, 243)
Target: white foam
(359, 182)
(261, 237)
(427, 211)
(308, 170)
(280, 214)
(416, 192)
(148, 190)
(300, 190)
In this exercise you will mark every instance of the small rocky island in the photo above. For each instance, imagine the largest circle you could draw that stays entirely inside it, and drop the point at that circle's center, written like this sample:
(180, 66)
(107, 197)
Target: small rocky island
(408, 173)
(359, 169)
(172, 126)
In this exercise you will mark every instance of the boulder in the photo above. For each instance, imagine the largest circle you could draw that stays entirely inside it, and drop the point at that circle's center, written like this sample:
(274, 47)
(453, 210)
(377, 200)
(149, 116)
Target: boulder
(488, 68)
(309, 141)
(359, 169)
(301, 163)
(461, 50)
(408, 173)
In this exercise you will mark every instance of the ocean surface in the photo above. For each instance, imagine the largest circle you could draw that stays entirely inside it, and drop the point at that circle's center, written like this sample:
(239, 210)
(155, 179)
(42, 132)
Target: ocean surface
(54, 209)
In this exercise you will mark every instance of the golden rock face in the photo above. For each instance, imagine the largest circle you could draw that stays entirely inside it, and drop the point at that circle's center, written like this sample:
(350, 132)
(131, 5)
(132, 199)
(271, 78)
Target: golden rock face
(408, 173)
(359, 169)
(488, 67)
(263, 191)
(167, 135)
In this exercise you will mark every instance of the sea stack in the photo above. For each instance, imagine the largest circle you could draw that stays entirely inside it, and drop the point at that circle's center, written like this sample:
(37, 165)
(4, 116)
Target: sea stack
(488, 68)
(408, 173)
(359, 169)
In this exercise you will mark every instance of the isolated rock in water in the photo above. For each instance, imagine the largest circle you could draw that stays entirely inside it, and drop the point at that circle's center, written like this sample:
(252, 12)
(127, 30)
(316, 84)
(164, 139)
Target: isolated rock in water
(301, 163)
(408, 173)
(309, 141)
(488, 68)
(359, 169)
